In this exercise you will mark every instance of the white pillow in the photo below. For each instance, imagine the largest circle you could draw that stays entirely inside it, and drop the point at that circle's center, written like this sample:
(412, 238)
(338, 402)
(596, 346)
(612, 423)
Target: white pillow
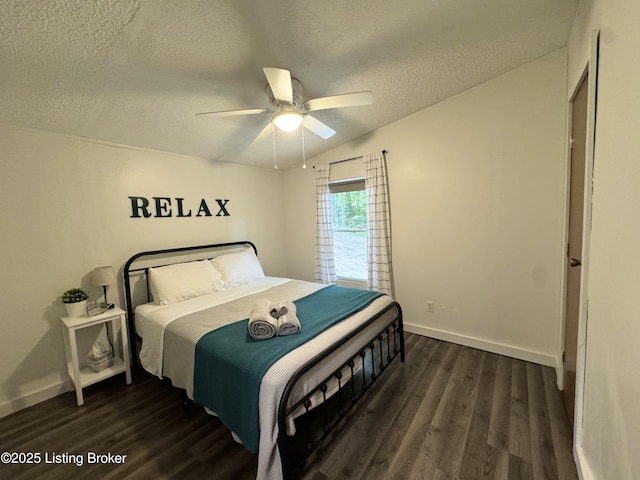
(239, 268)
(182, 281)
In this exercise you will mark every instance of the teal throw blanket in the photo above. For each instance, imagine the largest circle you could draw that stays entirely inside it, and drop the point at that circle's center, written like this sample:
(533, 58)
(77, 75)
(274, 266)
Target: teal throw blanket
(230, 364)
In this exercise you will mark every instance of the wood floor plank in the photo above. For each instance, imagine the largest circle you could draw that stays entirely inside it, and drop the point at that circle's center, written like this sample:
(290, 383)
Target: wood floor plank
(479, 456)
(501, 470)
(451, 419)
(560, 428)
(456, 413)
(405, 459)
(519, 469)
(519, 438)
(457, 431)
(542, 455)
(498, 435)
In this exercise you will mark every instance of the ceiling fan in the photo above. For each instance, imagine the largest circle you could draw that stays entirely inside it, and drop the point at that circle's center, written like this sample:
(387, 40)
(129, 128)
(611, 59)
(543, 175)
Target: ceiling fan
(291, 111)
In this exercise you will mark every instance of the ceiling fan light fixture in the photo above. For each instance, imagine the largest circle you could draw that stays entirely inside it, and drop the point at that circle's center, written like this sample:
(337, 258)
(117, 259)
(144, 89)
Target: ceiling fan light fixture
(288, 120)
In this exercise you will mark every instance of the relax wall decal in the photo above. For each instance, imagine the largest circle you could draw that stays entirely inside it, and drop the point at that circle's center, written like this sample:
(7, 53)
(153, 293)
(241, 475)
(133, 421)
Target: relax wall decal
(165, 209)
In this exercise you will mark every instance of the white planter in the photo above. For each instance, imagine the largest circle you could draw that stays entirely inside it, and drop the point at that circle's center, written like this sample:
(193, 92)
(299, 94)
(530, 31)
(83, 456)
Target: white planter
(78, 309)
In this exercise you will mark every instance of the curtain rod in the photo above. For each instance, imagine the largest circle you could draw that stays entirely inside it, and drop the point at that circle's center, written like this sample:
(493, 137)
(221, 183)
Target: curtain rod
(384, 152)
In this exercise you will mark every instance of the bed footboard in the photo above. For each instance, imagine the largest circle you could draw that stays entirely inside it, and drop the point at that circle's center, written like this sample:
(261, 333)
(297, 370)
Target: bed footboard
(362, 369)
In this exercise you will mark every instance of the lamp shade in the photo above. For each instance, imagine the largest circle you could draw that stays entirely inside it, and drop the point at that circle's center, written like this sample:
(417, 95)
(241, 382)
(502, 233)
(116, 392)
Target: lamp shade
(288, 120)
(103, 276)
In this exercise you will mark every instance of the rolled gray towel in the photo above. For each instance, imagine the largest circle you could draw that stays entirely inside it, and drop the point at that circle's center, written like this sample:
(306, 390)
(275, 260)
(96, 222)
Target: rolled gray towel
(261, 324)
(286, 307)
(288, 324)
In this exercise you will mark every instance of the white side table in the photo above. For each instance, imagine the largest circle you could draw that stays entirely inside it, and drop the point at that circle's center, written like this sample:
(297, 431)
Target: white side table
(83, 377)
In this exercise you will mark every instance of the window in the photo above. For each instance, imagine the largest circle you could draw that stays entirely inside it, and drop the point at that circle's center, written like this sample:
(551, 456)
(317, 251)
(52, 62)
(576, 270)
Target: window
(349, 228)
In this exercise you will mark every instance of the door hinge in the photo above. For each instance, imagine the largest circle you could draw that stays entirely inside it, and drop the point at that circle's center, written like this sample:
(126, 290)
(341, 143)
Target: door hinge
(571, 142)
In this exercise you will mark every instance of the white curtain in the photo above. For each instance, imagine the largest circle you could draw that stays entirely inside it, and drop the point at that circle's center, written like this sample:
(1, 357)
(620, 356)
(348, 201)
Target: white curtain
(325, 268)
(379, 275)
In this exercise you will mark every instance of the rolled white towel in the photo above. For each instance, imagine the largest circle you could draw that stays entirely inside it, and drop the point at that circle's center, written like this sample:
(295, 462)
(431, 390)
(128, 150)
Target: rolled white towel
(276, 310)
(288, 324)
(261, 324)
(285, 308)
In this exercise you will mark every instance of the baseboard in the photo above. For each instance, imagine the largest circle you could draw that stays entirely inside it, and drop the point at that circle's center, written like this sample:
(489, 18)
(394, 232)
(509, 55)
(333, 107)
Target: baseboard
(33, 398)
(560, 376)
(584, 471)
(493, 347)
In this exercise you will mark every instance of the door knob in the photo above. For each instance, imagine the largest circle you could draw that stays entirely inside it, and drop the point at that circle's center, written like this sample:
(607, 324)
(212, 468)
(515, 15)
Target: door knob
(574, 262)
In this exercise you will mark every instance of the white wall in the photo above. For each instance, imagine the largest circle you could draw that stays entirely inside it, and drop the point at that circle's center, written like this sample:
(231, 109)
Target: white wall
(65, 210)
(611, 429)
(477, 188)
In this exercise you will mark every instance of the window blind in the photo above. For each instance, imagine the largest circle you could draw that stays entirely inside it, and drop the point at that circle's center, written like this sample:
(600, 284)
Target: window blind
(348, 186)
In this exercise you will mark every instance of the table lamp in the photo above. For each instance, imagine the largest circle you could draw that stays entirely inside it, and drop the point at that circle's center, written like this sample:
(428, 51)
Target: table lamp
(103, 276)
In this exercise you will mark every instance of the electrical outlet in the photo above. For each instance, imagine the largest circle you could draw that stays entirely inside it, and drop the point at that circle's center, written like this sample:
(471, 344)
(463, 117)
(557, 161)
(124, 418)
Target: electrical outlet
(431, 306)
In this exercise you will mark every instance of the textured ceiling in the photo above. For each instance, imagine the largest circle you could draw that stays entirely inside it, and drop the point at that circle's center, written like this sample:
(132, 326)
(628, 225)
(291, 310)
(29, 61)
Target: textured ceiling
(135, 72)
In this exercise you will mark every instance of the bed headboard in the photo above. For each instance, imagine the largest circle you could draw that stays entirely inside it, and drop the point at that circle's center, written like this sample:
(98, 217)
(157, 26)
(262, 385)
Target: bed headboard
(136, 272)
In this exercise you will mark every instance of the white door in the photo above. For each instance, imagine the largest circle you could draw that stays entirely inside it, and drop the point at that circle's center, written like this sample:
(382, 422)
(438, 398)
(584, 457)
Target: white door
(574, 247)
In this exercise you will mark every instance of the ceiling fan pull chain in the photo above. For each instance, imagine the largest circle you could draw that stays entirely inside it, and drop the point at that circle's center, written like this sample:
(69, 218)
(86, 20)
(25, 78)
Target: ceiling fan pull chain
(275, 160)
(304, 160)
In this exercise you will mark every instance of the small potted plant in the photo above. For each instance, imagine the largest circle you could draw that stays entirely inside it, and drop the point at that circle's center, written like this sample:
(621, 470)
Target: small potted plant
(75, 300)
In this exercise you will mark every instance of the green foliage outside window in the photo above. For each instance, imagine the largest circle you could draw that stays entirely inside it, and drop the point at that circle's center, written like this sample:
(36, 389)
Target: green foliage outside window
(349, 210)
(349, 223)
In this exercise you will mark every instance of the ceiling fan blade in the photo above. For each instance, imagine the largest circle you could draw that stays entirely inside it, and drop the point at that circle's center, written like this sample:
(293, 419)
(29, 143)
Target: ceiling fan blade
(317, 127)
(231, 113)
(339, 101)
(266, 132)
(280, 83)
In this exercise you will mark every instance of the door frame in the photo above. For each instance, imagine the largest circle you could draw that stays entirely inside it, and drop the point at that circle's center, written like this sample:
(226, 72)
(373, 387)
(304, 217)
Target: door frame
(590, 68)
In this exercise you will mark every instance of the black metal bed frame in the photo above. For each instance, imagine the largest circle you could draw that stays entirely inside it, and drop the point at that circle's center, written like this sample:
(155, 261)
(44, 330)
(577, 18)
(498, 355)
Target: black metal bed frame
(315, 425)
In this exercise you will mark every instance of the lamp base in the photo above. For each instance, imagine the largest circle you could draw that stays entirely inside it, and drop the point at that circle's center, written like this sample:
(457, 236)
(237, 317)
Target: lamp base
(106, 303)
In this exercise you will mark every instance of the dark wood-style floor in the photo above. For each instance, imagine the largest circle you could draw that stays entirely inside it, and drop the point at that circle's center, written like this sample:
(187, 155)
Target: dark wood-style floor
(449, 412)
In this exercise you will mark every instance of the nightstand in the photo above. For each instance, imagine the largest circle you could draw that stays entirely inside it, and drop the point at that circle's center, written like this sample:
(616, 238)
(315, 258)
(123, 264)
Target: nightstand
(83, 377)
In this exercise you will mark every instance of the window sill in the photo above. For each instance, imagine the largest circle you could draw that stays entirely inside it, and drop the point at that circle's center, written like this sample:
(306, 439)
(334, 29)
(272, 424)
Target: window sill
(352, 282)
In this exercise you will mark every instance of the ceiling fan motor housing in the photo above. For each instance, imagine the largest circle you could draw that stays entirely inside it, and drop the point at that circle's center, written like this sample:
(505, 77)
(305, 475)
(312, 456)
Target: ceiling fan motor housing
(297, 89)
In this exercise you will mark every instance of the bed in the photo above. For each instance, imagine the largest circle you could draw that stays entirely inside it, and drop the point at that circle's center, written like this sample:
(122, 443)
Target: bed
(189, 309)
